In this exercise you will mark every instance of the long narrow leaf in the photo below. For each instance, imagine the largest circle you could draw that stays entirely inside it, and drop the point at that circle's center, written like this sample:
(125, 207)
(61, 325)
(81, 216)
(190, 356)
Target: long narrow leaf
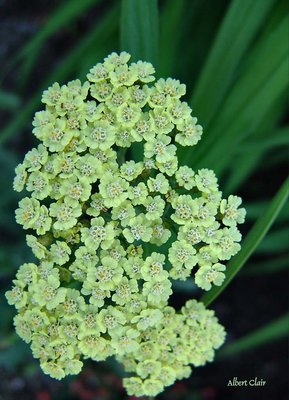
(239, 27)
(250, 155)
(266, 267)
(246, 120)
(139, 29)
(170, 20)
(61, 16)
(275, 242)
(243, 166)
(107, 25)
(269, 333)
(139, 36)
(257, 208)
(255, 93)
(9, 101)
(251, 241)
(279, 138)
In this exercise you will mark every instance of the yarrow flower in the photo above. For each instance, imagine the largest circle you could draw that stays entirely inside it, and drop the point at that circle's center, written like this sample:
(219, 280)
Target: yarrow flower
(110, 234)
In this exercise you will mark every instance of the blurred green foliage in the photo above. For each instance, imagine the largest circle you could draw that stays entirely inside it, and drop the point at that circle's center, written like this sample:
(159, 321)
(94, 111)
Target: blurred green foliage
(233, 56)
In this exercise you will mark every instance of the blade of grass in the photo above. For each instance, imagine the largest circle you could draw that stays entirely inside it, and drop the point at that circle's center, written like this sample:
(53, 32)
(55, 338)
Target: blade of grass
(256, 209)
(250, 154)
(61, 16)
(139, 29)
(246, 160)
(276, 139)
(238, 29)
(9, 101)
(170, 20)
(266, 267)
(251, 241)
(69, 64)
(255, 93)
(277, 158)
(139, 36)
(243, 166)
(247, 119)
(274, 242)
(197, 30)
(272, 332)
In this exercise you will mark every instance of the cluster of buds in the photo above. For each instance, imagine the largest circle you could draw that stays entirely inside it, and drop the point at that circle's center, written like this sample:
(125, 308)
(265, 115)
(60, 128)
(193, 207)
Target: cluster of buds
(110, 233)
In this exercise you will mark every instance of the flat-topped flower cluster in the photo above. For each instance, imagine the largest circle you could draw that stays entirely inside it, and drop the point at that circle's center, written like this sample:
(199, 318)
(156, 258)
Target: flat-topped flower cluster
(110, 233)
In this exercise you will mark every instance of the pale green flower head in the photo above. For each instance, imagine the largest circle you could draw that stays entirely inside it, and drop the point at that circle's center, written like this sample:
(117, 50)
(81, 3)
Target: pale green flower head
(113, 189)
(139, 229)
(28, 212)
(17, 296)
(59, 252)
(36, 158)
(138, 194)
(153, 268)
(147, 318)
(185, 177)
(210, 274)
(185, 207)
(20, 178)
(130, 170)
(113, 217)
(27, 273)
(123, 213)
(157, 291)
(154, 207)
(230, 211)
(65, 214)
(182, 254)
(125, 288)
(108, 274)
(99, 234)
(110, 319)
(48, 293)
(125, 340)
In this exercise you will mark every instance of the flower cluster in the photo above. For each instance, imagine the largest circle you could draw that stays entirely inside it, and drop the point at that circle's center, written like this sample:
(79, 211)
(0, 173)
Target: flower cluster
(111, 234)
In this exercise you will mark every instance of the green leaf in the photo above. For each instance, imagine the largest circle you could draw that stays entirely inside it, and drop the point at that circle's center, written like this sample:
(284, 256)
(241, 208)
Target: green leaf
(238, 29)
(274, 242)
(8, 100)
(243, 166)
(61, 16)
(139, 37)
(247, 119)
(257, 208)
(69, 65)
(171, 19)
(269, 333)
(266, 267)
(139, 29)
(251, 241)
(258, 88)
(278, 138)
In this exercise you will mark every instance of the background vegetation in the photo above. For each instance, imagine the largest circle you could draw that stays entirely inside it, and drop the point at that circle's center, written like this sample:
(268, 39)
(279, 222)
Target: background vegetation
(233, 56)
